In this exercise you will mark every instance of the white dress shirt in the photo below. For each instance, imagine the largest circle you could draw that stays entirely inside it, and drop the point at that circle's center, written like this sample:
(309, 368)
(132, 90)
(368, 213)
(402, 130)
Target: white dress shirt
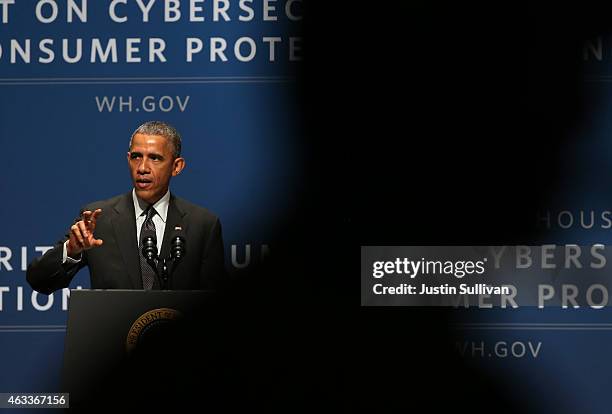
(159, 219)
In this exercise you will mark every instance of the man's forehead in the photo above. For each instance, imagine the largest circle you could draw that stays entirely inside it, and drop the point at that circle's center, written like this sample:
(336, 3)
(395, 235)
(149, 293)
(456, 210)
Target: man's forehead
(143, 141)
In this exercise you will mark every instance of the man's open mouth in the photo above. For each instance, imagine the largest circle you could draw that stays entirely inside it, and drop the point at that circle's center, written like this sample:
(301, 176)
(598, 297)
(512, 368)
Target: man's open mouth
(143, 183)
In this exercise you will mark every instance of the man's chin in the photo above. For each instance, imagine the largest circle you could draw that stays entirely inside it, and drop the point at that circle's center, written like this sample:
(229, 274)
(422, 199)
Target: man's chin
(146, 195)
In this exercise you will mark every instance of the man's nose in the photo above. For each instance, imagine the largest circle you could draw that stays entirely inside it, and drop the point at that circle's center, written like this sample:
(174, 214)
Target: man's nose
(143, 167)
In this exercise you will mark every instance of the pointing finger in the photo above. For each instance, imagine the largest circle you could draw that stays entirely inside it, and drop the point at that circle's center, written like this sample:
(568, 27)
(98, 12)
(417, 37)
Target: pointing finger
(95, 215)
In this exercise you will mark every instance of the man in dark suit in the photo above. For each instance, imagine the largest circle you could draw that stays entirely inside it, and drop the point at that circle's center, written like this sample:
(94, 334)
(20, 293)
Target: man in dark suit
(109, 235)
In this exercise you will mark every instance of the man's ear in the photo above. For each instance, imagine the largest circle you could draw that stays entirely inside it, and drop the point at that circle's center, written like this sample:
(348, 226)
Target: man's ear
(179, 164)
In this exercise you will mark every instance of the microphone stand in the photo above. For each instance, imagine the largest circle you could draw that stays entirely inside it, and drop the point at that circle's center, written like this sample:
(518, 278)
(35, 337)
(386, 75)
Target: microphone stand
(177, 252)
(165, 276)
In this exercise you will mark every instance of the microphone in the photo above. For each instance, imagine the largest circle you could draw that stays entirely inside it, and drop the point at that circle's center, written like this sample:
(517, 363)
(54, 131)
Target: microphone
(177, 252)
(178, 249)
(149, 245)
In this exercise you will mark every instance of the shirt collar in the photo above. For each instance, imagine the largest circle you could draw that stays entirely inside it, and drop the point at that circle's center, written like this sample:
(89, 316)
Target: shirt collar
(161, 206)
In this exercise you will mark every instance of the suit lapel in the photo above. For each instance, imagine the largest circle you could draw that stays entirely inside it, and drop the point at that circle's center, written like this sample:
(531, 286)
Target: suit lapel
(124, 226)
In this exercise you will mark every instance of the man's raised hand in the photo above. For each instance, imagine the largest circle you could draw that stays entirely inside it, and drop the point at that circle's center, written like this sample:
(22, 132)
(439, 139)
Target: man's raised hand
(81, 233)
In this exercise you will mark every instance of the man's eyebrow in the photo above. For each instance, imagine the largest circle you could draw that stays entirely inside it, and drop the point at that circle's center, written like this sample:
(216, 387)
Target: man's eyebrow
(150, 154)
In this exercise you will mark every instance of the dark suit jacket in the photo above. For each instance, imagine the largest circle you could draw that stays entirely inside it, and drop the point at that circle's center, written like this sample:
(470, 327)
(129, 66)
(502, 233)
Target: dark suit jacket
(116, 265)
